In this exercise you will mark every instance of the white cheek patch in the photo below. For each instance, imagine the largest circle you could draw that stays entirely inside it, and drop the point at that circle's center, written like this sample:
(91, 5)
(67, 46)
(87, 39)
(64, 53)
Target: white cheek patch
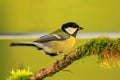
(71, 30)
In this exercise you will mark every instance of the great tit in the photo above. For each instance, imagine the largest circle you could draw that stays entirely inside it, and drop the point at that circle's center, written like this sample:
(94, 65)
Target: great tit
(59, 41)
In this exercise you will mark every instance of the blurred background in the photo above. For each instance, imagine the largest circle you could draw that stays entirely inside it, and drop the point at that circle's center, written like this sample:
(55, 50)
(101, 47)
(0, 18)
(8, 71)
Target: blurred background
(34, 16)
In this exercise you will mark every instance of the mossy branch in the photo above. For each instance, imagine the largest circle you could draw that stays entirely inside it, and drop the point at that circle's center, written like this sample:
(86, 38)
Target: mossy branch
(107, 50)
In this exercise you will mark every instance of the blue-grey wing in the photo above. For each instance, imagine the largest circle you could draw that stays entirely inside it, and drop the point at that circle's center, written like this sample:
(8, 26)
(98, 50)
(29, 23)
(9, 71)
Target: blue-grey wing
(52, 37)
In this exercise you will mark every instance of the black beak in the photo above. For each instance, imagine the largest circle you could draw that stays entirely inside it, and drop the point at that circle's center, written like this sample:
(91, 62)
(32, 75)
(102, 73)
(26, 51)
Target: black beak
(80, 28)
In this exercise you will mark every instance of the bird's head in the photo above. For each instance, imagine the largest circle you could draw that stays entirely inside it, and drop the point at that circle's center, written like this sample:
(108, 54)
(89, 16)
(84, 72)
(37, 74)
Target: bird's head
(71, 28)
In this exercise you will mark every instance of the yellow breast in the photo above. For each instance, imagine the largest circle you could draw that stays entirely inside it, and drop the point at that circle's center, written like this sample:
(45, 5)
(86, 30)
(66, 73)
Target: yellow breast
(62, 46)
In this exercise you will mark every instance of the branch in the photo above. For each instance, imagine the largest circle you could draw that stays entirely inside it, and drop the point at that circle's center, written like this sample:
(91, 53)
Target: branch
(56, 67)
(104, 47)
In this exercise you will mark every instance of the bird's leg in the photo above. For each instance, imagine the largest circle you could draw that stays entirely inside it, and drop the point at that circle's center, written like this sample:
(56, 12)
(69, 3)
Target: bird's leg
(65, 55)
(57, 61)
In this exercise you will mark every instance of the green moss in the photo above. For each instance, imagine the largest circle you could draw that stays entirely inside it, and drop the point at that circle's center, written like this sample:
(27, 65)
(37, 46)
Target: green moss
(23, 74)
(107, 49)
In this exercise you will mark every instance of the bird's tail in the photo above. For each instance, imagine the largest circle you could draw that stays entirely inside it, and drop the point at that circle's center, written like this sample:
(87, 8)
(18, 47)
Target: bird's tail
(22, 44)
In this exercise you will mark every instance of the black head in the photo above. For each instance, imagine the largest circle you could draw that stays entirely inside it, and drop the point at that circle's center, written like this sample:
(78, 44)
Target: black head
(71, 28)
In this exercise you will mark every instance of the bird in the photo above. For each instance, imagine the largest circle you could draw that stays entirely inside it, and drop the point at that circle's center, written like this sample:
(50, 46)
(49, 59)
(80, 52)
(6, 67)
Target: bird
(54, 43)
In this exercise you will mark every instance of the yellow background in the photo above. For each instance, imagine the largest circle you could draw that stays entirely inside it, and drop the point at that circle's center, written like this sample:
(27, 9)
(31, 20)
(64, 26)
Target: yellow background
(28, 16)
(47, 15)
